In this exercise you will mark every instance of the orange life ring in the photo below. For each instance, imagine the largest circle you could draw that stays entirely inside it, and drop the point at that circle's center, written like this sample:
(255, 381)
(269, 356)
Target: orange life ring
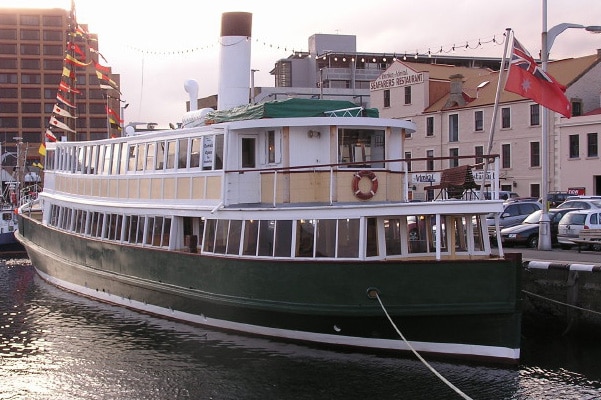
(374, 185)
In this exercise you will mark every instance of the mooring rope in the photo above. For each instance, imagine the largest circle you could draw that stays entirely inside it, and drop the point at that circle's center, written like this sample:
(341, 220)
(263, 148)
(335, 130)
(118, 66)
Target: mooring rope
(561, 303)
(442, 378)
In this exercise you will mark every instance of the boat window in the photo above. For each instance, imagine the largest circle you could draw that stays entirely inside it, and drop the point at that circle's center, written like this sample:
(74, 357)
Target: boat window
(123, 158)
(134, 233)
(305, 235)
(218, 152)
(108, 152)
(372, 238)
(477, 233)
(49, 161)
(459, 225)
(80, 159)
(140, 156)
(364, 147)
(132, 151)
(116, 160)
(419, 233)
(86, 159)
(150, 156)
(283, 238)
(114, 227)
(182, 154)
(348, 238)
(208, 151)
(249, 247)
(392, 234)
(80, 221)
(326, 238)
(160, 157)
(221, 236)
(266, 231)
(248, 152)
(171, 147)
(270, 147)
(195, 153)
(233, 239)
(100, 162)
(209, 236)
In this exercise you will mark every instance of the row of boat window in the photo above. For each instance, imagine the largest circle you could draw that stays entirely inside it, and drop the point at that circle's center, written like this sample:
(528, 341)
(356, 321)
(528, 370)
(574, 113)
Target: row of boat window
(340, 238)
(203, 152)
(134, 229)
(304, 238)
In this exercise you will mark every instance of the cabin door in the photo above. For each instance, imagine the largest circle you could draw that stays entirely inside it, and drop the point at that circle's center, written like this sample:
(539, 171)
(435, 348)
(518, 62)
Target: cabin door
(245, 187)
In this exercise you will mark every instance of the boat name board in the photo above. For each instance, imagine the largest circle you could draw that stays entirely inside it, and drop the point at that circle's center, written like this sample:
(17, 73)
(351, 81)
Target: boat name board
(430, 177)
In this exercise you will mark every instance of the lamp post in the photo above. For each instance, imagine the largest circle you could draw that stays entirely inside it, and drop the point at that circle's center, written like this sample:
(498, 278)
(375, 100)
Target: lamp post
(548, 37)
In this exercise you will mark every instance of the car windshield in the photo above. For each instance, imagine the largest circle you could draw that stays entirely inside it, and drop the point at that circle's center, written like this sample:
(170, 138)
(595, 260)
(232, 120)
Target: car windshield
(534, 218)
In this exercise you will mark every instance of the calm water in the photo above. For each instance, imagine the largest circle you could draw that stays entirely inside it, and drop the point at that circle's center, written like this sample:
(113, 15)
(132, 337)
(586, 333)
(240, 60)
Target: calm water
(56, 345)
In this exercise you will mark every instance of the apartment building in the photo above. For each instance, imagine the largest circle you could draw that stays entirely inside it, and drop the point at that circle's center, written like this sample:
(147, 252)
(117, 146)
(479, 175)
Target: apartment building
(33, 48)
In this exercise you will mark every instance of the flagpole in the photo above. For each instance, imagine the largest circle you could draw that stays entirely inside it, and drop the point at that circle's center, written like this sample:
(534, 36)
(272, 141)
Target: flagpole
(493, 123)
(544, 226)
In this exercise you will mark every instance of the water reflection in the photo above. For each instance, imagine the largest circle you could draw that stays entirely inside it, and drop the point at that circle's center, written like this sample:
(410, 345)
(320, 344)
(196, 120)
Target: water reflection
(54, 344)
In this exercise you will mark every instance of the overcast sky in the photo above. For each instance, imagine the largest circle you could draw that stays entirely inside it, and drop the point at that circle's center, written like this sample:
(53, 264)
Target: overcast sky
(156, 46)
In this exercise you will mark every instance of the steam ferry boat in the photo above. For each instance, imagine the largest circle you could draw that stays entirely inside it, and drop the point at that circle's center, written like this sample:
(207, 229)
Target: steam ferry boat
(289, 219)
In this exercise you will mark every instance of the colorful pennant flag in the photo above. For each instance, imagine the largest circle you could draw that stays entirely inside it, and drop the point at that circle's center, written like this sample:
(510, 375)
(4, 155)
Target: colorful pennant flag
(63, 113)
(64, 87)
(64, 101)
(50, 135)
(74, 61)
(42, 149)
(59, 124)
(76, 49)
(112, 112)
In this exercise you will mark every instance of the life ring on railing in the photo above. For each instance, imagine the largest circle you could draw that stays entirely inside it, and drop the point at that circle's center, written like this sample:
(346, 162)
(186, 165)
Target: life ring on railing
(374, 185)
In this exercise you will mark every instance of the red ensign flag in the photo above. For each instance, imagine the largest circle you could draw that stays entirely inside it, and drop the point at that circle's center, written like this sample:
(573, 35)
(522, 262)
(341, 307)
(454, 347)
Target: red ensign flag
(527, 79)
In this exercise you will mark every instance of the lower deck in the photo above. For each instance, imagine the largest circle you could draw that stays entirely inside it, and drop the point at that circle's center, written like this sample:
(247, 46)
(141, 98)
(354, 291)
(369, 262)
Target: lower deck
(321, 233)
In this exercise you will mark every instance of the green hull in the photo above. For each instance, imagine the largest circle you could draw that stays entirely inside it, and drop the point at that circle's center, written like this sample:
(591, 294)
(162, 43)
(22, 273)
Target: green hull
(462, 309)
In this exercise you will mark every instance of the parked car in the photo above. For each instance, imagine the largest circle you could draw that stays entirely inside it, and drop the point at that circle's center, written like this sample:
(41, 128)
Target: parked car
(556, 198)
(514, 212)
(581, 203)
(573, 222)
(526, 233)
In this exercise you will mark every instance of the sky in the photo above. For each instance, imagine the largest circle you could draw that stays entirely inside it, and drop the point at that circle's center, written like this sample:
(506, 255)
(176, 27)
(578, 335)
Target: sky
(157, 46)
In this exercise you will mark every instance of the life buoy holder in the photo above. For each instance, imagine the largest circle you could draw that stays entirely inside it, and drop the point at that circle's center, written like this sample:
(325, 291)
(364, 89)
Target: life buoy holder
(374, 185)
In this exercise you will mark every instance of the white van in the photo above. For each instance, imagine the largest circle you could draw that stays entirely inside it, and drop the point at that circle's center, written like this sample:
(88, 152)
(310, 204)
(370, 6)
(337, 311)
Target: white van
(572, 223)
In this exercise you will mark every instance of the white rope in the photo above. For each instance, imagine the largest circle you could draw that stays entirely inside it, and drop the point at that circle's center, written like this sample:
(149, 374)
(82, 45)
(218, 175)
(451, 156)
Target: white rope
(561, 303)
(442, 378)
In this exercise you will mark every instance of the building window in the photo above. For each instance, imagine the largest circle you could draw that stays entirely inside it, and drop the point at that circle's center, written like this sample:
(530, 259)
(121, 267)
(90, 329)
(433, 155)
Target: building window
(429, 126)
(408, 160)
(386, 97)
(574, 146)
(430, 161)
(454, 161)
(8, 34)
(30, 49)
(407, 94)
(8, 49)
(29, 35)
(479, 121)
(56, 36)
(479, 151)
(30, 20)
(534, 115)
(506, 156)
(592, 145)
(576, 108)
(534, 190)
(30, 63)
(506, 118)
(454, 128)
(534, 154)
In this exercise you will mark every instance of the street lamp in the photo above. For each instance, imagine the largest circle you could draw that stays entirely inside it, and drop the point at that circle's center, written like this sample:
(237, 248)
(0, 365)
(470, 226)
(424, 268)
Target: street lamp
(548, 37)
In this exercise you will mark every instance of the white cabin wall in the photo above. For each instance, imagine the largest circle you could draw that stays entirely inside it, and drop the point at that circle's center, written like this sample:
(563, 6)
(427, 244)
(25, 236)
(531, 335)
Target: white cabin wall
(310, 145)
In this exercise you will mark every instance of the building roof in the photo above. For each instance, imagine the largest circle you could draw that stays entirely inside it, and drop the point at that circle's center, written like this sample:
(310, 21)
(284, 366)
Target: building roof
(566, 72)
